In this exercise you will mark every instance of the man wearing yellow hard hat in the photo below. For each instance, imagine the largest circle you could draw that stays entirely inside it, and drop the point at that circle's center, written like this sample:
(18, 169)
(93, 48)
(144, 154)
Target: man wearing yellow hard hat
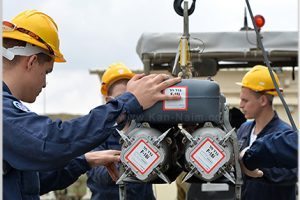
(114, 81)
(33, 143)
(256, 102)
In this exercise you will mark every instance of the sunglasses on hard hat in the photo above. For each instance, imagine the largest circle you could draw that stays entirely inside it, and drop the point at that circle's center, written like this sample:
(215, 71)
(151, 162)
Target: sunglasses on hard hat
(8, 26)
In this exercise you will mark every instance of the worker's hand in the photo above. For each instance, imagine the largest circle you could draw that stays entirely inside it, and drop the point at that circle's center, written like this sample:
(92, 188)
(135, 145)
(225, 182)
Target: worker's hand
(148, 89)
(107, 158)
(252, 173)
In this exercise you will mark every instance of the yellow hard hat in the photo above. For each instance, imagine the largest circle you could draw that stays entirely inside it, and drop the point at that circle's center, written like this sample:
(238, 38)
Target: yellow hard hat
(114, 72)
(259, 79)
(39, 24)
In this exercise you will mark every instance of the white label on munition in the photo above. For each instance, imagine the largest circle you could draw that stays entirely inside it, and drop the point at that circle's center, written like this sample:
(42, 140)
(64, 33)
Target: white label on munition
(142, 156)
(207, 155)
(181, 104)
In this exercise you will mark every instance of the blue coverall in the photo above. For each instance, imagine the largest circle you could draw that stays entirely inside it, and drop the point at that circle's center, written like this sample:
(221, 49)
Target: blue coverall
(276, 183)
(103, 187)
(264, 152)
(33, 143)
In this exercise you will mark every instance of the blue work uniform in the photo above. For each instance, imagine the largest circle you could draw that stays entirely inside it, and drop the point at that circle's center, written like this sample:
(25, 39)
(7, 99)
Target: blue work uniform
(33, 143)
(64, 177)
(103, 187)
(264, 152)
(276, 183)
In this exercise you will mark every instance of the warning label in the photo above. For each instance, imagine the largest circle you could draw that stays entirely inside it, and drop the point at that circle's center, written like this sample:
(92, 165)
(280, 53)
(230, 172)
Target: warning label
(181, 104)
(142, 156)
(208, 155)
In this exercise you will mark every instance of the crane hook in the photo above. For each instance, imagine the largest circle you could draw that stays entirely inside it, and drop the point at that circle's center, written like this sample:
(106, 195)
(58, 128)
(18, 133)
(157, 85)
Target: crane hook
(179, 10)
